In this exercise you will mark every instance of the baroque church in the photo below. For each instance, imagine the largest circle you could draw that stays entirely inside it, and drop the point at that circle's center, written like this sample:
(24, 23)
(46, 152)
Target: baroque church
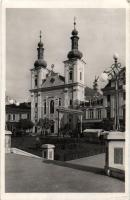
(54, 96)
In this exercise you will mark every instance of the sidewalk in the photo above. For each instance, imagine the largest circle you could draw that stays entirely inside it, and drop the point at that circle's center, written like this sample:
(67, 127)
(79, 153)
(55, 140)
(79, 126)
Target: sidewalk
(94, 161)
(26, 174)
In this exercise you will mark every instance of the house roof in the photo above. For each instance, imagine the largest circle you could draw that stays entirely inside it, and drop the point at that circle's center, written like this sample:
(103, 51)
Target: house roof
(23, 106)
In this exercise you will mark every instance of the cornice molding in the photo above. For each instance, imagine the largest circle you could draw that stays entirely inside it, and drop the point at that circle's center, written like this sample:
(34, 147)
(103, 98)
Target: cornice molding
(56, 87)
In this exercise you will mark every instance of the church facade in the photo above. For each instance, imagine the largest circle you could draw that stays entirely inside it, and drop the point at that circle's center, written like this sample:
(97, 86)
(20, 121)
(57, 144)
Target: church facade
(51, 91)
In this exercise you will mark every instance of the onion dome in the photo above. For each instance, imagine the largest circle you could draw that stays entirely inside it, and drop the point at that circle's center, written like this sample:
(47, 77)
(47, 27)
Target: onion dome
(40, 62)
(74, 53)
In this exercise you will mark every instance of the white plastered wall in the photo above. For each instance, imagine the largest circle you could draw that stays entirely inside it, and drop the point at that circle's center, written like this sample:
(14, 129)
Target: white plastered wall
(112, 145)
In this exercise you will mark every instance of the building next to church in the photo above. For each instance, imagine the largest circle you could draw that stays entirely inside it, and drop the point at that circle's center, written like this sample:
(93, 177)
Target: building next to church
(93, 109)
(14, 113)
(52, 95)
(101, 110)
(112, 105)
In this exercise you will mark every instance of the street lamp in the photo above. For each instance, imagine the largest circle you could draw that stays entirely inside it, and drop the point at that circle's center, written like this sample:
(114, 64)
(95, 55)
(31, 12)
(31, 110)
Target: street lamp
(114, 73)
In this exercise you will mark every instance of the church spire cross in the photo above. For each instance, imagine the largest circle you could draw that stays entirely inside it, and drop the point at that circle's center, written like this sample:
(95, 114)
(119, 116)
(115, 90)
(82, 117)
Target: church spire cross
(40, 35)
(74, 22)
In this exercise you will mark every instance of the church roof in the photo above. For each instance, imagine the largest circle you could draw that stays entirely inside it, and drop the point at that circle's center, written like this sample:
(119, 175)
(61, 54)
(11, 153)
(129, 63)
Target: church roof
(62, 78)
(53, 79)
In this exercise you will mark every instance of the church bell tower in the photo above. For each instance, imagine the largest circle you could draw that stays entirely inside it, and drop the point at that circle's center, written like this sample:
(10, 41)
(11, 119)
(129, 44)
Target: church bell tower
(74, 72)
(38, 75)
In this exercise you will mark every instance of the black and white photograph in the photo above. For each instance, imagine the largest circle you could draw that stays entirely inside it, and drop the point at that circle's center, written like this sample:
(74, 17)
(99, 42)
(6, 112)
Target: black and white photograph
(65, 100)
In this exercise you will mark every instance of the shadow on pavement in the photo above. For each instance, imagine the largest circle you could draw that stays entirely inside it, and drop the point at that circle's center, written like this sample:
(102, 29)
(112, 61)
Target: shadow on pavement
(95, 170)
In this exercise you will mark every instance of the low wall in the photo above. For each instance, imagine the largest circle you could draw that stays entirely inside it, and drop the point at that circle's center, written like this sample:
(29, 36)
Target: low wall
(24, 153)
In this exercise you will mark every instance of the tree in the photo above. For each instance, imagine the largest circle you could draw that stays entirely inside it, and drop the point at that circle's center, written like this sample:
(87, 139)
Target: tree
(108, 124)
(66, 130)
(45, 124)
(25, 124)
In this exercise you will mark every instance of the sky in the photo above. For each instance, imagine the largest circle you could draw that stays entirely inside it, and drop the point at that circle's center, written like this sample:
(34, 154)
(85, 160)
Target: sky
(101, 32)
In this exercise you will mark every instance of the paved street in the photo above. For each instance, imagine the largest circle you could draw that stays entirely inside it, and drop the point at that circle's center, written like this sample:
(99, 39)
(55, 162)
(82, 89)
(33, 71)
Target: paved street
(25, 174)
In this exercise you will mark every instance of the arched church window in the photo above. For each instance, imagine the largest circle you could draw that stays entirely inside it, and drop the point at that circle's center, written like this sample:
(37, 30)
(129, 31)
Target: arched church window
(45, 107)
(70, 102)
(52, 106)
(35, 81)
(59, 101)
(70, 75)
(80, 76)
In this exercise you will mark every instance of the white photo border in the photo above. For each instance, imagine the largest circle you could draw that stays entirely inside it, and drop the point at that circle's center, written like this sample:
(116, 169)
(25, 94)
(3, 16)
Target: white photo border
(63, 4)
